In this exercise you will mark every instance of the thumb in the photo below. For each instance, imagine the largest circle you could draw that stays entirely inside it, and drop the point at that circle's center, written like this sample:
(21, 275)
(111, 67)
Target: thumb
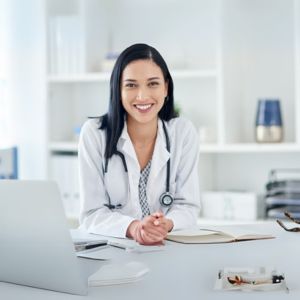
(158, 214)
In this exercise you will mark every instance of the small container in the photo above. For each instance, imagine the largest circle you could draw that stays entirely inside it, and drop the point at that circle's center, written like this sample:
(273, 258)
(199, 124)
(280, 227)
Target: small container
(76, 133)
(269, 127)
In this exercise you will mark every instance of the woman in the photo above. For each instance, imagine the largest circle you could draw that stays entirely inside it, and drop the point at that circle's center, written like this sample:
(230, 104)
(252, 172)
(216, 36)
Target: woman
(138, 162)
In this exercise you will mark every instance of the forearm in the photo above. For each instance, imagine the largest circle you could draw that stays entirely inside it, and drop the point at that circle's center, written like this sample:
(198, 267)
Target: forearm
(105, 223)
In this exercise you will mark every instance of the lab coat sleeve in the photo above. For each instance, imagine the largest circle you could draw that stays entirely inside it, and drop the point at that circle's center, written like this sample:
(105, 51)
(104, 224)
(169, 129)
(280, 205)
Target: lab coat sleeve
(184, 212)
(95, 217)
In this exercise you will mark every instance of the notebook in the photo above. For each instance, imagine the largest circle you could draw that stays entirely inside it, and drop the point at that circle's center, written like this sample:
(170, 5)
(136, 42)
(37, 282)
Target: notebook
(36, 246)
(210, 235)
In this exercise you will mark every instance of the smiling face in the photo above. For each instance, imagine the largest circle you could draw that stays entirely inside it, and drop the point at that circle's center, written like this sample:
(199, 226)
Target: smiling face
(143, 91)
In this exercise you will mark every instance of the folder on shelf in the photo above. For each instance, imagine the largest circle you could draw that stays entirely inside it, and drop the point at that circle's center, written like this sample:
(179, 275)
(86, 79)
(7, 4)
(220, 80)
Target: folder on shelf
(9, 163)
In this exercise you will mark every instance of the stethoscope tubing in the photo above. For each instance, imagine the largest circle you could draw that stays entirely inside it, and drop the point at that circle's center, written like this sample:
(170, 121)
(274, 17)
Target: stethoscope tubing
(166, 195)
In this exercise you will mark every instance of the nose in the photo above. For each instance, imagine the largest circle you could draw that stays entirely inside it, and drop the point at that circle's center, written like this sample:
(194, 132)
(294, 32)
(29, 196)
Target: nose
(141, 94)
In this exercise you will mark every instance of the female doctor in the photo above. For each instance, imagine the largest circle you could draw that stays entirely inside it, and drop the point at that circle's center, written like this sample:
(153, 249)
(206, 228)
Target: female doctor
(138, 162)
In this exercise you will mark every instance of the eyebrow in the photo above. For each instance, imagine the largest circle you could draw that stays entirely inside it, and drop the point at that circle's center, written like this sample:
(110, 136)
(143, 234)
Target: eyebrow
(149, 79)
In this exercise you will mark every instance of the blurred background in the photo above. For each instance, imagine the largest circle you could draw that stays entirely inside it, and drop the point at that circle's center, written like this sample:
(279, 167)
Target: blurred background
(229, 60)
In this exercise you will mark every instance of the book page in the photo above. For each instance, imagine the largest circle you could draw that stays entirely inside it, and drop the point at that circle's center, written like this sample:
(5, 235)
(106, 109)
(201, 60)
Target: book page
(199, 236)
(238, 232)
(214, 234)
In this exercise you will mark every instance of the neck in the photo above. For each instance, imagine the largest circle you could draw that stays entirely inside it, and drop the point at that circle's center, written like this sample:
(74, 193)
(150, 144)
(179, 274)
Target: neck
(142, 134)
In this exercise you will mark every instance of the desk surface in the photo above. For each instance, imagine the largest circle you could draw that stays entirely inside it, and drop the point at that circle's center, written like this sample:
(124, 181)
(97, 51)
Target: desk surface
(189, 271)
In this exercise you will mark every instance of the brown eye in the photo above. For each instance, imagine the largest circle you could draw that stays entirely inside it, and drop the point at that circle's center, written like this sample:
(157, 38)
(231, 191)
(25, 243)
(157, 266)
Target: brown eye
(130, 85)
(154, 83)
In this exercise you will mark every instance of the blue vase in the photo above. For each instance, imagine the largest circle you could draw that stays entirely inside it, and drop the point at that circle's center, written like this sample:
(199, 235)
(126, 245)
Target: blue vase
(269, 128)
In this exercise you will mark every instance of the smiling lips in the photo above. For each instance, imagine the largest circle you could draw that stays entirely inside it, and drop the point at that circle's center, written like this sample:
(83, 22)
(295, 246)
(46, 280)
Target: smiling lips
(143, 108)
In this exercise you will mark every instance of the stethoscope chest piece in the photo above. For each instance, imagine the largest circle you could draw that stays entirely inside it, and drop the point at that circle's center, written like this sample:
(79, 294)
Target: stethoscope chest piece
(166, 199)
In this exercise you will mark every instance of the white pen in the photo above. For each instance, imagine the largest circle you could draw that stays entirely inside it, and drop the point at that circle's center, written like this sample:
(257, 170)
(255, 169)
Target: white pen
(119, 245)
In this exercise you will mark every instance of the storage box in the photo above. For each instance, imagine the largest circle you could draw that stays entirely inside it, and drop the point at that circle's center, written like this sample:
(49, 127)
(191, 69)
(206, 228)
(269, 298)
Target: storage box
(230, 205)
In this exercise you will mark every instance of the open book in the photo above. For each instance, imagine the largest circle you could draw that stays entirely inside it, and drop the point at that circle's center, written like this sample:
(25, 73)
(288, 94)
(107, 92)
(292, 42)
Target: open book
(224, 234)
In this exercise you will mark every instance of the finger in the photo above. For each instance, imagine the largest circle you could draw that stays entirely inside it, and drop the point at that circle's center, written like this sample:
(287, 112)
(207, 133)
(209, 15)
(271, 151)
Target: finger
(150, 238)
(145, 239)
(154, 228)
(158, 214)
(138, 237)
(157, 222)
(150, 220)
(161, 231)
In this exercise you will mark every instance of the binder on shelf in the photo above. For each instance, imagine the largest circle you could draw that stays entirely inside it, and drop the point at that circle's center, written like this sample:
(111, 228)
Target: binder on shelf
(9, 163)
(66, 45)
(64, 170)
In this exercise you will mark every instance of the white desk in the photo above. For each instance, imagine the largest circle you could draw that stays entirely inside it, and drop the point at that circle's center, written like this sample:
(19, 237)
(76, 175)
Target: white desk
(189, 271)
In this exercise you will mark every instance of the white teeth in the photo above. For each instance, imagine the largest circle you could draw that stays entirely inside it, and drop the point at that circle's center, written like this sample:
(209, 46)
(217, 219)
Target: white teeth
(143, 107)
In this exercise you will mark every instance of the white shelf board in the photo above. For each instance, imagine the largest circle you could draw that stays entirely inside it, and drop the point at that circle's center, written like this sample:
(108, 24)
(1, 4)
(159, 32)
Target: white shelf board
(64, 146)
(250, 148)
(88, 77)
(105, 76)
(208, 148)
(189, 73)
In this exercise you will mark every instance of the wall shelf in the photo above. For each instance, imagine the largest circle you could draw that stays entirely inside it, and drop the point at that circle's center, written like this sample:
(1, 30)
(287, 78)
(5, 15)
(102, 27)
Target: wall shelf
(63, 146)
(250, 148)
(88, 77)
(70, 146)
(105, 76)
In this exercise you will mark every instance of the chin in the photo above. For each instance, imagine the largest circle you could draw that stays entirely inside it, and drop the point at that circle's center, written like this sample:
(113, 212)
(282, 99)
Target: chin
(145, 119)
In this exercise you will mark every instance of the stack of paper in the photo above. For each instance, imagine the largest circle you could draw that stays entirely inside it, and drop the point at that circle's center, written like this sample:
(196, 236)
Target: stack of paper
(106, 253)
(118, 273)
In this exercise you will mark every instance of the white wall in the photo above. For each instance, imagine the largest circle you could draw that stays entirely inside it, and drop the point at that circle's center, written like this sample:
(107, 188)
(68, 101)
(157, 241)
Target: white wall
(26, 71)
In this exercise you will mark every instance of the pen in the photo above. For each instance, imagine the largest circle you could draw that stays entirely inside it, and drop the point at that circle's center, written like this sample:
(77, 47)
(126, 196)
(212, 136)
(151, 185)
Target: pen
(118, 245)
(94, 245)
(91, 245)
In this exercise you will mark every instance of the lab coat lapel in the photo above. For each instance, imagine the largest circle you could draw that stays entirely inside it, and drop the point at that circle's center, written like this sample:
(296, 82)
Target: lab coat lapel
(125, 145)
(160, 154)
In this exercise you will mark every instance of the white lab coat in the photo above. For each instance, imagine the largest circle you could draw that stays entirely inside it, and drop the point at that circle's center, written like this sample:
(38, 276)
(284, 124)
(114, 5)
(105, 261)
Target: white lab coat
(122, 188)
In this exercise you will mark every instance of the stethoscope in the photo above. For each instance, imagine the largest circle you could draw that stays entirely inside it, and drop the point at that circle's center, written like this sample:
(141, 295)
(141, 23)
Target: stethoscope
(166, 199)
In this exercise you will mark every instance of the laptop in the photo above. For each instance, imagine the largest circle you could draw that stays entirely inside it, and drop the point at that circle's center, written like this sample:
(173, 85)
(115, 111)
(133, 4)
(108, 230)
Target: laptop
(36, 248)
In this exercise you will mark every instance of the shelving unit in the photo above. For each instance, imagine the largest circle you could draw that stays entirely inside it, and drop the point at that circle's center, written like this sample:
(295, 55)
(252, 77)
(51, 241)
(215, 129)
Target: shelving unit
(227, 56)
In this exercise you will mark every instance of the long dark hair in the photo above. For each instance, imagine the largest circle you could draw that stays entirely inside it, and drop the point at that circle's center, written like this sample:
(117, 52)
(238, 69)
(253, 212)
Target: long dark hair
(113, 120)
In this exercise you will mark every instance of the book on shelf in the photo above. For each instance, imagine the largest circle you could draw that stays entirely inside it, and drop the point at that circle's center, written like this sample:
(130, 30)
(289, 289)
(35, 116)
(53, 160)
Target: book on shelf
(215, 234)
(66, 45)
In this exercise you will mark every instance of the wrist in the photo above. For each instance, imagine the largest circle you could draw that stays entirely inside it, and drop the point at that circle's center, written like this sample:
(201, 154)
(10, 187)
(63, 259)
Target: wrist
(170, 225)
(131, 229)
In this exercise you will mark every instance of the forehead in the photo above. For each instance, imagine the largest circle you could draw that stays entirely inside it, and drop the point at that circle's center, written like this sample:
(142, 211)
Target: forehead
(141, 69)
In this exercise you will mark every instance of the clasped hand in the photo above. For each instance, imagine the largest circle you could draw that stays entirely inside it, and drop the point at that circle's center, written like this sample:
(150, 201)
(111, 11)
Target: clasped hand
(152, 230)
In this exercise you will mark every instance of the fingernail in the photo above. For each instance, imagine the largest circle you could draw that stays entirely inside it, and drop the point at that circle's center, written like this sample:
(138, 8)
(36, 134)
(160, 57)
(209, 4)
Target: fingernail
(156, 222)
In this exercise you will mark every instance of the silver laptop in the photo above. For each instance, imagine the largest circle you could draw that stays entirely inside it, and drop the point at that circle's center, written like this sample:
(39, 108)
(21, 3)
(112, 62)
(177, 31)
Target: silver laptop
(36, 248)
